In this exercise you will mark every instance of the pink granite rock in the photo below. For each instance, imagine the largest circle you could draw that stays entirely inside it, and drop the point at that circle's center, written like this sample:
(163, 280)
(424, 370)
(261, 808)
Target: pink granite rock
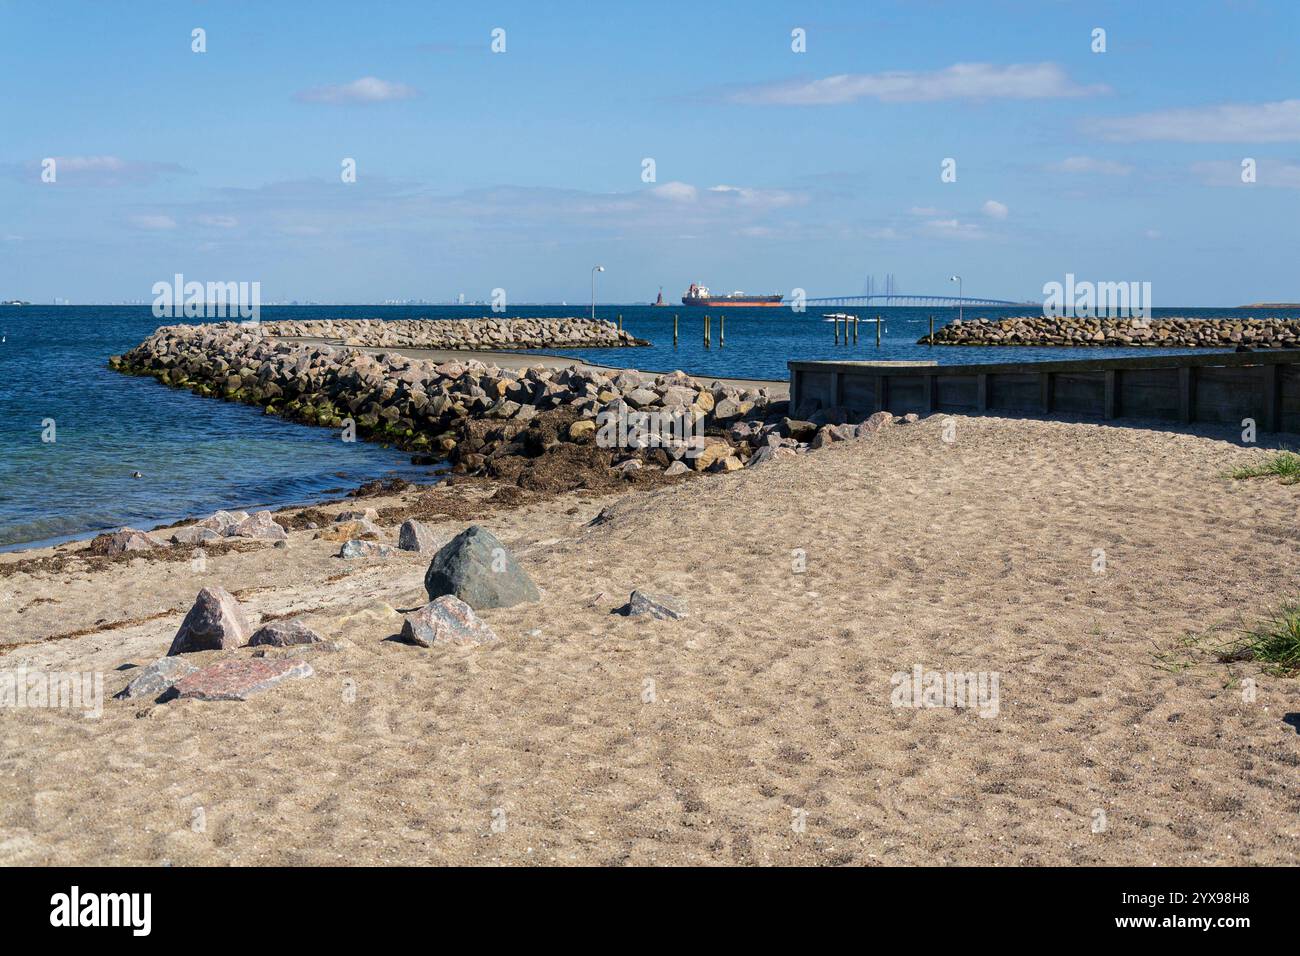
(239, 679)
(446, 620)
(214, 623)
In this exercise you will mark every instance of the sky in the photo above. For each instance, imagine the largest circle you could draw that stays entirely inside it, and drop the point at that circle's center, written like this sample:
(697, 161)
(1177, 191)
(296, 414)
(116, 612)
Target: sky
(770, 167)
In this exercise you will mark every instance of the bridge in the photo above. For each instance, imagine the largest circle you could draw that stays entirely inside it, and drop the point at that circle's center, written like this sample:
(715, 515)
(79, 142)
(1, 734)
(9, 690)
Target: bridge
(899, 298)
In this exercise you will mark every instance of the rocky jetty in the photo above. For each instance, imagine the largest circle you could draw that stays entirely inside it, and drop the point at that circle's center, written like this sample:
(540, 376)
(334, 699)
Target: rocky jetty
(540, 428)
(1158, 333)
(481, 334)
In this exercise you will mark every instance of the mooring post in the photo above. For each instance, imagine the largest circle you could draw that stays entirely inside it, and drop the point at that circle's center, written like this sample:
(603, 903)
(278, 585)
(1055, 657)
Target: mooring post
(708, 327)
(877, 330)
(674, 330)
(855, 330)
(837, 330)
(620, 321)
(932, 330)
(722, 331)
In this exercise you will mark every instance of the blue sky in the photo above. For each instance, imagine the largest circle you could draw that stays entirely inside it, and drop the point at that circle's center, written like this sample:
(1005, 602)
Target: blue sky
(773, 169)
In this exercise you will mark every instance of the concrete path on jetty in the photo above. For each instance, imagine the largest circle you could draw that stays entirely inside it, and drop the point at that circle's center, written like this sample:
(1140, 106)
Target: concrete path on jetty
(778, 389)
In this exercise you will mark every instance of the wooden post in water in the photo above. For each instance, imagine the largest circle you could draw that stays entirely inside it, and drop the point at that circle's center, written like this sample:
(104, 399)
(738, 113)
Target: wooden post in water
(836, 320)
(722, 331)
(708, 328)
(932, 330)
(620, 321)
(855, 330)
(877, 330)
(674, 330)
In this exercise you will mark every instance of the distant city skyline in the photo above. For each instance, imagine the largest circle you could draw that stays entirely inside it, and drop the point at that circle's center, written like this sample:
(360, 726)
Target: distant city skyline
(338, 157)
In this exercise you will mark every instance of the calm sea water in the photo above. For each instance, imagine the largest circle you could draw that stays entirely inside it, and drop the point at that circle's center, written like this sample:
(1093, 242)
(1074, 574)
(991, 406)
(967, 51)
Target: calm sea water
(198, 455)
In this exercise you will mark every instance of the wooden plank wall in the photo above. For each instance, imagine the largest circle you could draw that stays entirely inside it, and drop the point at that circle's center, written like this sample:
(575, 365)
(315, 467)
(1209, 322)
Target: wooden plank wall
(1222, 388)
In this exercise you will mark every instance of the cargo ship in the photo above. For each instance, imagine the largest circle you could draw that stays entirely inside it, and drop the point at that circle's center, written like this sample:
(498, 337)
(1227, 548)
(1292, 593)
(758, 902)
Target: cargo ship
(700, 295)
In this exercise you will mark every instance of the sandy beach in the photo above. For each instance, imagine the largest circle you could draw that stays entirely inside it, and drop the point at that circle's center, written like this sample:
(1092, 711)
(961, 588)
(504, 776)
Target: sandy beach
(759, 729)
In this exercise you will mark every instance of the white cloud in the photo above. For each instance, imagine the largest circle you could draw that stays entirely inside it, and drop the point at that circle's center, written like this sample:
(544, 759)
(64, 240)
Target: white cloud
(676, 192)
(994, 209)
(925, 211)
(759, 198)
(153, 222)
(220, 222)
(953, 229)
(1019, 81)
(1229, 123)
(1268, 172)
(368, 89)
(94, 171)
(1088, 164)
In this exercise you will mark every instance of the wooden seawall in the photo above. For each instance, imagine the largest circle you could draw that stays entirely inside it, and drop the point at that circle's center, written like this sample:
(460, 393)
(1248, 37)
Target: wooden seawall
(1224, 388)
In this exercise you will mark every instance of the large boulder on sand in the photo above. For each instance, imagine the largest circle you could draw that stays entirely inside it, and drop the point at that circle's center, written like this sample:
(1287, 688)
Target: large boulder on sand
(215, 622)
(476, 568)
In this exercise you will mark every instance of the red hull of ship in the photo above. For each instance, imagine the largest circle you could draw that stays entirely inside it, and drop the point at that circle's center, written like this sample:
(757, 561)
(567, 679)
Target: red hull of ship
(736, 303)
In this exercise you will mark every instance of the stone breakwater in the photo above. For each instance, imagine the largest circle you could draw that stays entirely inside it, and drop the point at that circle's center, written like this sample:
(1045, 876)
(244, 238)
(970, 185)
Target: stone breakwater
(488, 420)
(1161, 333)
(481, 334)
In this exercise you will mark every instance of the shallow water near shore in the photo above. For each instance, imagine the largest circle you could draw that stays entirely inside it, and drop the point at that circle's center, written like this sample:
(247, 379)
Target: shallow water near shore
(198, 454)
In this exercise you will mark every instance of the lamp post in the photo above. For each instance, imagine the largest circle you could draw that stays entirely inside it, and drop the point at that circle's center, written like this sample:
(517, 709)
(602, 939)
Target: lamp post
(594, 270)
(957, 279)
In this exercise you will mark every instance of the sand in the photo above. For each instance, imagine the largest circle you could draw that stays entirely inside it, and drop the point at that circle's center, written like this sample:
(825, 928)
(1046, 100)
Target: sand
(757, 731)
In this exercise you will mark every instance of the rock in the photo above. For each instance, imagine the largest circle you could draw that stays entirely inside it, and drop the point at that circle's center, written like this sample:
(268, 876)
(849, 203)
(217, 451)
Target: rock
(714, 450)
(194, 534)
(730, 463)
(632, 464)
(356, 548)
(676, 468)
(446, 620)
(873, 424)
(215, 622)
(416, 536)
(727, 408)
(222, 520)
(367, 514)
(475, 567)
(240, 679)
(641, 397)
(911, 418)
(157, 678)
(284, 634)
(660, 606)
(260, 526)
(125, 541)
(825, 435)
(582, 428)
(347, 530)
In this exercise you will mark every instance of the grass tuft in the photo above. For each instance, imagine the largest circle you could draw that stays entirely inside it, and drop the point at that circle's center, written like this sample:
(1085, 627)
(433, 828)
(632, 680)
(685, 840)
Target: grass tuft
(1284, 465)
(1276, 642)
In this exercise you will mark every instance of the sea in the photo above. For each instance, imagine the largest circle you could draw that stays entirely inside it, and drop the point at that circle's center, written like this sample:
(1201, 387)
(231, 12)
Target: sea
(74, 433)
